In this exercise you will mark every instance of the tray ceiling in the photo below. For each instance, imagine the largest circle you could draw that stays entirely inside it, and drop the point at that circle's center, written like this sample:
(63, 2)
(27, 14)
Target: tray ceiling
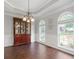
(36, 6)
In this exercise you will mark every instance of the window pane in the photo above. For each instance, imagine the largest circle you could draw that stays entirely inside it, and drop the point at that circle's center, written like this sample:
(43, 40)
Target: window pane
(67, 16)
(66, 34)
(42, 31)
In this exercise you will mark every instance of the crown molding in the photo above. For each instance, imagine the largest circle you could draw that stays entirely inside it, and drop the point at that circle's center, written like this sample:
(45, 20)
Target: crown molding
(41, 8)
(42, 13)
(46, 14)
(5, 1)
(45, 6)
(49, 13)
(13, 14)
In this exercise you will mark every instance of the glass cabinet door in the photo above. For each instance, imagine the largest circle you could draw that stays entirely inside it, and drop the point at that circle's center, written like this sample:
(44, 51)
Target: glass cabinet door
(22, 27)
(17, 27)
(28, 31)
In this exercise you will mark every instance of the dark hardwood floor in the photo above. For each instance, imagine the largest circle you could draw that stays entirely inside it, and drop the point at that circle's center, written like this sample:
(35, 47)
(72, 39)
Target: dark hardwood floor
(34, 51)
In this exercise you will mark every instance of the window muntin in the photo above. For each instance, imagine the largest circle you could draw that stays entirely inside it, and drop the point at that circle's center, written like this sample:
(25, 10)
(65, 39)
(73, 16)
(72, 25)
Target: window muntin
(66, 30)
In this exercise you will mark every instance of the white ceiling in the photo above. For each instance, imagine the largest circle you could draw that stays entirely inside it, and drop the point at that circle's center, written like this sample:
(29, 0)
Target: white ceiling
(23, 4)
(36, 6)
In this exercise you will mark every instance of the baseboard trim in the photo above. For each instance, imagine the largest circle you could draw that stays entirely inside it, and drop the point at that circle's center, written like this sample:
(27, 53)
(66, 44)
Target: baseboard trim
(8, 46)
(57, 48)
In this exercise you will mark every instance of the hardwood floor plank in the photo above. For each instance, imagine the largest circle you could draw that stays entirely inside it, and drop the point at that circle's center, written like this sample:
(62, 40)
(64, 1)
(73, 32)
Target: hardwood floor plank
(34, 51)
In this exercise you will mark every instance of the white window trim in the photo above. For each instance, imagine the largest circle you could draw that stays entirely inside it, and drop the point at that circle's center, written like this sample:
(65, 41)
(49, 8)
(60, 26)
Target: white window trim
(63, 22)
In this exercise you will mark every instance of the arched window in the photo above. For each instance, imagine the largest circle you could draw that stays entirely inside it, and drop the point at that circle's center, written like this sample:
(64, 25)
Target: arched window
(66, 16)
(66, 30)
(42, 30)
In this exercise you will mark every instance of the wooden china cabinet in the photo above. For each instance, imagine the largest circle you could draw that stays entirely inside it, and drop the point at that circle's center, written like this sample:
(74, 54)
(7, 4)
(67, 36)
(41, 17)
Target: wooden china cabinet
(22, 31)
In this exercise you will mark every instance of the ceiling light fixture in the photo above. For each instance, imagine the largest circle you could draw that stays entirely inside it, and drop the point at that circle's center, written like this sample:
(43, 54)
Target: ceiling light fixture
(28, 17)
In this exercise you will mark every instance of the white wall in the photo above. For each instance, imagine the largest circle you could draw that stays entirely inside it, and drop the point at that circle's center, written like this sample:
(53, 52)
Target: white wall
(51, 29)
(8, 31)
(32, 32)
